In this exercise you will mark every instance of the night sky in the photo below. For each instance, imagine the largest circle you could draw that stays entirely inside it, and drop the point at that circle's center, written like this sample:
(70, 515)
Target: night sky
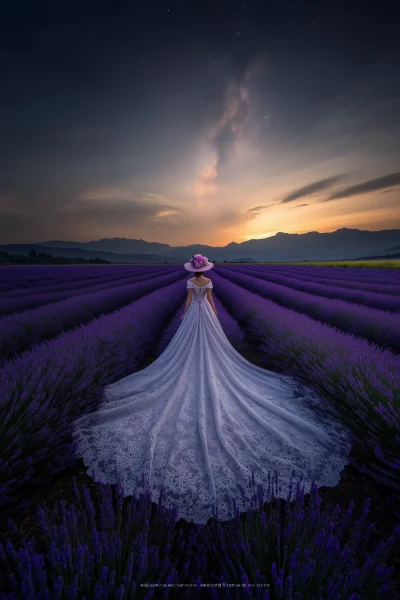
(197, 122)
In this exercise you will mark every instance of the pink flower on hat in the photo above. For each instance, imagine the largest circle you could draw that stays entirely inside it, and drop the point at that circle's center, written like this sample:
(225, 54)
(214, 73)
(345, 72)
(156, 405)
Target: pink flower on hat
(198, 261)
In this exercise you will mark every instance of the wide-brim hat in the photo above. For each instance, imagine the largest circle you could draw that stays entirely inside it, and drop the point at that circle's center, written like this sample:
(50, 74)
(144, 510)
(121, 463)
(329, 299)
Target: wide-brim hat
(193, 269)
(189, 267)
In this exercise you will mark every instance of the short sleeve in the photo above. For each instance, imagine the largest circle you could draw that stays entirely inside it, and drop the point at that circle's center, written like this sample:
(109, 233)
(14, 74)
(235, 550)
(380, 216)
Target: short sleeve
(189, 285)
(210, 285)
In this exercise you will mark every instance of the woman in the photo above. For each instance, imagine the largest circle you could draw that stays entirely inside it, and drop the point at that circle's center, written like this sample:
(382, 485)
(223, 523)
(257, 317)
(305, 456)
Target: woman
(200, 419)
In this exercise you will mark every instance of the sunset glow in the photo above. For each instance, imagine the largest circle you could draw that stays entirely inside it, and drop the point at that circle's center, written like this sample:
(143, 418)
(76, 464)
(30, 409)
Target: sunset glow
(262, 125)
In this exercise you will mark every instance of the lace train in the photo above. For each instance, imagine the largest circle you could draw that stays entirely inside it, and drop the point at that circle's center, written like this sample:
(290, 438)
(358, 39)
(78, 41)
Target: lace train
(200, 418)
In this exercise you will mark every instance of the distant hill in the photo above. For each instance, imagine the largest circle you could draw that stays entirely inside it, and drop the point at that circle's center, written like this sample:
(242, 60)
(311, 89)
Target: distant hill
(394, 249)
(114, 245)
(335, 245)
(77, 251)
(378, 257)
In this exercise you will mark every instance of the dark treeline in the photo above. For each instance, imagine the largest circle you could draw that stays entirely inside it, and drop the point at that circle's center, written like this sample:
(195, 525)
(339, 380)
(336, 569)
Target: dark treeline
(396, 255)
(41, 258)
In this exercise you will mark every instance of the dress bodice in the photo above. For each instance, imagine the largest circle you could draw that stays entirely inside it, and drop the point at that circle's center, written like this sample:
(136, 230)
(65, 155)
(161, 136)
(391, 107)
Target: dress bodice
(199, 293)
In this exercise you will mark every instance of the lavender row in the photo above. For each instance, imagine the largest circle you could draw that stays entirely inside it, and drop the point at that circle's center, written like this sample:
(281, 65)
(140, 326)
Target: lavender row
(39, 278)
(106, 547)
(377, 326)
(19, 272)
(113, 547)
(80, 284)
(340, 283)
(381, 276)
(374, 277)
(231, 328)
(300, 551)
(359, 381)
(46, 389)
(350, 272)
(19, 332)
(34, 274)
(368, 299)
(13, 305)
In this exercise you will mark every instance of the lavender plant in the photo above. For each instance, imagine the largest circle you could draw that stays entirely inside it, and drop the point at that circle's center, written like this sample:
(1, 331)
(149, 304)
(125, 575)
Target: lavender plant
(356, 381)
(359, 296)
(78, 283)
(24, 275)
(26, 302)
(43, 391)
(381, 287)
(35, 277)
(288, 550)
(383, 276)
(299, 551)
(113, 551)
(378, 326)
(22, 330)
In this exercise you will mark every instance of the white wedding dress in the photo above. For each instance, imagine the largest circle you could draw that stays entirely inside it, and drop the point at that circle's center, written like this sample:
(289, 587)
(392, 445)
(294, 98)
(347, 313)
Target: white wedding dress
(200, 418)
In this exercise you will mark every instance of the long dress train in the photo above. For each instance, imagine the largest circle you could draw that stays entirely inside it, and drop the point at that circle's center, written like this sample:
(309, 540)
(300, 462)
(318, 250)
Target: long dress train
(200, 418)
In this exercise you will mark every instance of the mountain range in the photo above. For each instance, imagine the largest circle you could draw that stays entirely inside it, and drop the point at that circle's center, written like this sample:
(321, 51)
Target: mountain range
(335, 245)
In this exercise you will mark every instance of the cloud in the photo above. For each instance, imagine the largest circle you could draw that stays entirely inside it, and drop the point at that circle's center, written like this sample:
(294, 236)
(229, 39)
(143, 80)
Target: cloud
(372, 185)
(116, 211)
(397, 189)
(298, 206)
(229, 128)
(165, 213)
(205, 182)
(252, 213)
(260, 236)
(312, 188)
(225, 136)
(226, 133)
(227, 217)
(112, 193)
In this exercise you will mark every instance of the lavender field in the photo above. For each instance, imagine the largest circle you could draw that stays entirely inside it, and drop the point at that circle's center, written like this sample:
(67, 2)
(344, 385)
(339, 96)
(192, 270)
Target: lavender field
(66, 332)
